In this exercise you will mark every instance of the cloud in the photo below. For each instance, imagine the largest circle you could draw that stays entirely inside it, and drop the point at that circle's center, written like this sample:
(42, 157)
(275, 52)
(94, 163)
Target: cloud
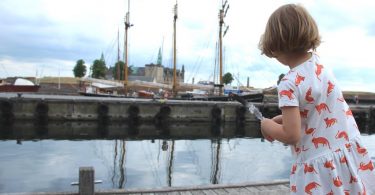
(56, 34)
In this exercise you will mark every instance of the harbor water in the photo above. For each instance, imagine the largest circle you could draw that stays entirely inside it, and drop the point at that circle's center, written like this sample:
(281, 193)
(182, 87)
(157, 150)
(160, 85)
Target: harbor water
(46, 162)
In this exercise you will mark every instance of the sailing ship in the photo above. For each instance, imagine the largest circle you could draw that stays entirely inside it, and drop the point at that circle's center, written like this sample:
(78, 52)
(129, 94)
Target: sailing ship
(177, 90)
(221, 92)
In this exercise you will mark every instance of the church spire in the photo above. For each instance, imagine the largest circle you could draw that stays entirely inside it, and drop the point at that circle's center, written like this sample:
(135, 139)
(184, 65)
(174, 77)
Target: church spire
(160, 58)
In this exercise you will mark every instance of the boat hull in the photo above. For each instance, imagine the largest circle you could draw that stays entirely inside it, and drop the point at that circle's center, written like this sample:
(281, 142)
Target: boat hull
(19, 88)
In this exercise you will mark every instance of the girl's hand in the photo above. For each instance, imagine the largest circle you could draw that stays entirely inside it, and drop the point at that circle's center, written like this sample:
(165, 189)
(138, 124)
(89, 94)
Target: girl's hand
(263, 125)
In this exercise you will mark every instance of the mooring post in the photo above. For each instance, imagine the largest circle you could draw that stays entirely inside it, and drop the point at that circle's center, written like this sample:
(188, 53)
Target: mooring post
(86, 181)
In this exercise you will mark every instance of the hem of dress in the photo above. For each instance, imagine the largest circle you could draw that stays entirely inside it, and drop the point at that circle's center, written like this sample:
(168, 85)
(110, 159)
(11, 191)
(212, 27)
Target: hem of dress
(353, 140)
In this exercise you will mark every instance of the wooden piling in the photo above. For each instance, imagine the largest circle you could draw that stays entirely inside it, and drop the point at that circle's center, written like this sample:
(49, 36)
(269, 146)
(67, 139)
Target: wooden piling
(86, 181)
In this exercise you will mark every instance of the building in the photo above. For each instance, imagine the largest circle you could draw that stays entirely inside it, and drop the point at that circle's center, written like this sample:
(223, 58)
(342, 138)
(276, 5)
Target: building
(152, 73)
(162, 74)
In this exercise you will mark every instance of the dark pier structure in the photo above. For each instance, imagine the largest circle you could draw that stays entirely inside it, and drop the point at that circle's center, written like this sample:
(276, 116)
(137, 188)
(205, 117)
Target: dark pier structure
(46, 110)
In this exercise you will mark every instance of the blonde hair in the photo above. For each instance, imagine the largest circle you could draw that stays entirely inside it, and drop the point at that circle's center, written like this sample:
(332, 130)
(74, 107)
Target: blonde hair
(290, 29)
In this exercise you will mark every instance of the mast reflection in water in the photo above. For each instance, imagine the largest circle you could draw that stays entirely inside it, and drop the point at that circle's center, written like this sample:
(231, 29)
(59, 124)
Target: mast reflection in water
(32, 160)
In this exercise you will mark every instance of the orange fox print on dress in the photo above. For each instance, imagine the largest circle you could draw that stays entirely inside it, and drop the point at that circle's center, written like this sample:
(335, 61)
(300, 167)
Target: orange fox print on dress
(318, 71)
(330, 88)
(322, 107)
(299, 79)
(308, 96)
(288, 93)
(330, 141)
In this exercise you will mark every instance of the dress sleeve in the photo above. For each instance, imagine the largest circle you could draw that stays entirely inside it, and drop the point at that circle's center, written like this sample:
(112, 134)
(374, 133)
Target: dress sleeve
(288, 94)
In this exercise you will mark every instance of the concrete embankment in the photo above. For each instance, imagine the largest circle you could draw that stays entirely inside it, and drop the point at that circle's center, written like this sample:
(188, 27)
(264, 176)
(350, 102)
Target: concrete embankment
(79, 108)
(42, 109)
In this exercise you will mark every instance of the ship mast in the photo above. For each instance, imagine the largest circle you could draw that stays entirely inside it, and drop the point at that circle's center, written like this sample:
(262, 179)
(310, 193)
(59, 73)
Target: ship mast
(174, 87)
(118, 56)
(127, 26)
(222, 13)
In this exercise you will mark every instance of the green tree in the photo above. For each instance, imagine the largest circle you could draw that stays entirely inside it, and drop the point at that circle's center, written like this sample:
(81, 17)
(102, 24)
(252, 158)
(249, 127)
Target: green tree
(79, 69)
(227, 78)
(120, 65)
(98, 68)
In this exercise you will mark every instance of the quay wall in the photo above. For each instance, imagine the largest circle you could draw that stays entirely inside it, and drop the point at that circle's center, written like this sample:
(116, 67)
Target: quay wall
(42, 109)
(79, 108)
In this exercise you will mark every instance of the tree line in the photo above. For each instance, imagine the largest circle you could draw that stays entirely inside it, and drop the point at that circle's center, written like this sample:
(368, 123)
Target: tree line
(99, 69)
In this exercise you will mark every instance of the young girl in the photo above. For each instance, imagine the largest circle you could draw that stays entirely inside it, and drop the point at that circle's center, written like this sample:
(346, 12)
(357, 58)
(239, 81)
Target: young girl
(329, 155)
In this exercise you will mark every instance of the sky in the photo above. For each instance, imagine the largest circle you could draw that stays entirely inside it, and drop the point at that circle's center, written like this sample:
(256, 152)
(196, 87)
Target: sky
(46, 37)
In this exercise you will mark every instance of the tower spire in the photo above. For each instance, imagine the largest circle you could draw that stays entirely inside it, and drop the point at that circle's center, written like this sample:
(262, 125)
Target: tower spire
(160, 58)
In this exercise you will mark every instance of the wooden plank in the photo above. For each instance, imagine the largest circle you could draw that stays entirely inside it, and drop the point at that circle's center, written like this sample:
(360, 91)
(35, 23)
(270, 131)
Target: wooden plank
(174, 193)
(284, 187)
(239, 190)
(274, 187)
(252, 189)
(197, 192)
(232, 190)
(168, 193)
(262, 188)
(272, 192)
(185, 193)
(220, 191)
(209, 192)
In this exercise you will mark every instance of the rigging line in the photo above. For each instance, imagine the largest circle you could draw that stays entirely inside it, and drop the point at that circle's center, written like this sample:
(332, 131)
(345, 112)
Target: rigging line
(195, 67)
(237, 79)
(232, 67)
(192, 74)
(107, 52)
(2, 65)
(199, 61)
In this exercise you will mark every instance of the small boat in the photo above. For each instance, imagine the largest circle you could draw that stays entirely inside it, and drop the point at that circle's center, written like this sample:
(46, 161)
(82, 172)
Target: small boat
(18, 85)
(145, 94)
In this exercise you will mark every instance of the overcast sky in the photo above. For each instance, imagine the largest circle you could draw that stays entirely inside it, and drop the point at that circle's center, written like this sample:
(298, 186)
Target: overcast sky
(47, 37)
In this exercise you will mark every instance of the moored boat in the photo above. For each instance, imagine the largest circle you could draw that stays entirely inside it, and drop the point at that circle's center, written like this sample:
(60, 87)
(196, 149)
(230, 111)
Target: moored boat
(18, 85)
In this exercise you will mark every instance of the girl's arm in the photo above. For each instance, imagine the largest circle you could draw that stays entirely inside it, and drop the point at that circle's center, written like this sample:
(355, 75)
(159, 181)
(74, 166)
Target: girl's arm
(278, 119)
(289, 131)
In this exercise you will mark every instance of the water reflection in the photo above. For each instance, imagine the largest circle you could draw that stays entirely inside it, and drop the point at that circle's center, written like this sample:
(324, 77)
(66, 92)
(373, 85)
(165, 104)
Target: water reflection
(215, 161)
(154, 157)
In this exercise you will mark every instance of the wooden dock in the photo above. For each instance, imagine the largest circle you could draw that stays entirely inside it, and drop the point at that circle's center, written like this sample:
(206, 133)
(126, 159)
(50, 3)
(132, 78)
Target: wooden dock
(279, 187)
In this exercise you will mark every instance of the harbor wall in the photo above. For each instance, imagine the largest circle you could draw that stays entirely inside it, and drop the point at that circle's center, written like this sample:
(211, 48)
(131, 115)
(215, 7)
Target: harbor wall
(79, 108)
(42, 109)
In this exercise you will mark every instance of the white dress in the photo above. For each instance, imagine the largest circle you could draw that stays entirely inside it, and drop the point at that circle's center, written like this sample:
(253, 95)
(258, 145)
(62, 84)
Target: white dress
(330, 157)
